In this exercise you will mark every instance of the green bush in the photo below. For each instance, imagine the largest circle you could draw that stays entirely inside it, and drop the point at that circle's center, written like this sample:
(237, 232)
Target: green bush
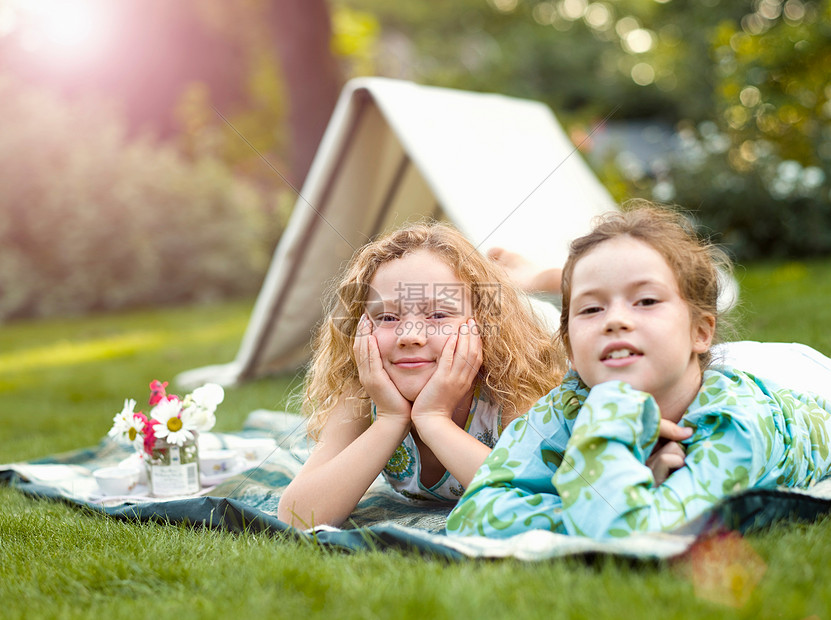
(93, 219)
(768, 207)
(774, 208)
(756, 167)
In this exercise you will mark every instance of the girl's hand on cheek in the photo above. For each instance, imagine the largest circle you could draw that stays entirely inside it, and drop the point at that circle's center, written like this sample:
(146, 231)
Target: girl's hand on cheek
(458, 366)
(374, 378)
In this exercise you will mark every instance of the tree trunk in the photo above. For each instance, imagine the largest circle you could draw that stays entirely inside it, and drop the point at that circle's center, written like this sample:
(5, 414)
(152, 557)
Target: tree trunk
(303, 33)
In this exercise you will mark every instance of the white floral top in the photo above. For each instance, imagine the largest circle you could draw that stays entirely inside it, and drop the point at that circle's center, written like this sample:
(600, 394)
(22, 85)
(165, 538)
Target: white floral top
(403, 471)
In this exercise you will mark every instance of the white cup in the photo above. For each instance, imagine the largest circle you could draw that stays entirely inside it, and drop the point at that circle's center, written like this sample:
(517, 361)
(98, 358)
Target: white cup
(214, 462)
(116, 480)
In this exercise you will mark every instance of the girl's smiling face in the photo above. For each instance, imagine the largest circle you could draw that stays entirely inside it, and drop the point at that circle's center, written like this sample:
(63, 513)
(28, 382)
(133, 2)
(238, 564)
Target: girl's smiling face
(417, 302)
(628, 322)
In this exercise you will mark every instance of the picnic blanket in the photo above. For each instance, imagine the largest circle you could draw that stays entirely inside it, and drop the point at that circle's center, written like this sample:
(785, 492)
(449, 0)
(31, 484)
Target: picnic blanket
(247, 501)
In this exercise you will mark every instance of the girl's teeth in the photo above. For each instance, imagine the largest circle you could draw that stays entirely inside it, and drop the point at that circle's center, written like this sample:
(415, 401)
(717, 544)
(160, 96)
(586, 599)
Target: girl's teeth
(616, 355)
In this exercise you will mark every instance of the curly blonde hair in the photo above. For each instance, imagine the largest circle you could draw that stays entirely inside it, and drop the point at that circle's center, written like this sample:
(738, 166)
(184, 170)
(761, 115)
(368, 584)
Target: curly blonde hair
(695, 262)
(521, 359)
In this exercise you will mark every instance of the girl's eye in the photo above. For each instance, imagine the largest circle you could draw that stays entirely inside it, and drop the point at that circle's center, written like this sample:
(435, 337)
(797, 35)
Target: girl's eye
(386, 318)
(590, 310)
(438, 315)
(647, 301)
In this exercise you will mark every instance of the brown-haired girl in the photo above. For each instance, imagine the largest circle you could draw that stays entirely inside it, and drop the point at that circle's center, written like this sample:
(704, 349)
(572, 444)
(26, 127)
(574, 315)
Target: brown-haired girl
(639, 316)
(427, 350)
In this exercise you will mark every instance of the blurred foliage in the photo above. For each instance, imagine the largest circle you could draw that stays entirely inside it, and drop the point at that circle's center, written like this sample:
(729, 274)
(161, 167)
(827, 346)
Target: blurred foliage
(151, 171)
(744, 83)
(355, 36)
(171, 194)
(575, 55)
(759, 172)
(770, 207)
(206, 74)
(94, 221)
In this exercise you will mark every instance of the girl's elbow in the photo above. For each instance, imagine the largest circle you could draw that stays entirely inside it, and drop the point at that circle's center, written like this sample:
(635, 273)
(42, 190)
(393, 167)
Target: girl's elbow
(298, 509)
(305, 517)
(286, 510)
(293, 511)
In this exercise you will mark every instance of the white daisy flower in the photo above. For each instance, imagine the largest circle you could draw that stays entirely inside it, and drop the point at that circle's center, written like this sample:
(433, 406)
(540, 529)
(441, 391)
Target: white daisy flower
(135, 432)
(209, 396)
(199, 418)
(123, 420)
(171, 427)
(199, 407)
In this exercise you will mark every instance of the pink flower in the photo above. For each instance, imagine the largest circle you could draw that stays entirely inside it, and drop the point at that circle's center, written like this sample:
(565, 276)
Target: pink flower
(157, 391)
(150, 435)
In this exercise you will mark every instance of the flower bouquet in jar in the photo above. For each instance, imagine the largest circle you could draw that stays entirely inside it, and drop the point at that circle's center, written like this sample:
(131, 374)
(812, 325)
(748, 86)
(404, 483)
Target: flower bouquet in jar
(167, 439)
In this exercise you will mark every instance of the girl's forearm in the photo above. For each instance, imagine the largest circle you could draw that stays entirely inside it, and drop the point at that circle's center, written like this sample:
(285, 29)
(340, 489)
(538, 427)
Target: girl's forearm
(326, 493)
(460, 453)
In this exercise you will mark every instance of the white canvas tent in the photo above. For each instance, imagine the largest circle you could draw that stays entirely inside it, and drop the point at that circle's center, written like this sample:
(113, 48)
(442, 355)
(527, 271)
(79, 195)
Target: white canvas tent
(500, 169)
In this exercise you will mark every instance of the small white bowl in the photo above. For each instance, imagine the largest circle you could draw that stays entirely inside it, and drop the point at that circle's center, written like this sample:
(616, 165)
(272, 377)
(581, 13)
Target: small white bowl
(213, 462)
(116, 480)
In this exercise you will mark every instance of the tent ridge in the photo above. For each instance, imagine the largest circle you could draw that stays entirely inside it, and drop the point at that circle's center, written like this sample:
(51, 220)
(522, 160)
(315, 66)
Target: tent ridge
(248, 368)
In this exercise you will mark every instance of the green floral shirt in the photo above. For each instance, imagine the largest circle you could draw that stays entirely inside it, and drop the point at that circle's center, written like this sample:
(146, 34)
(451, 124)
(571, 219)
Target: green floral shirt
(576, 463)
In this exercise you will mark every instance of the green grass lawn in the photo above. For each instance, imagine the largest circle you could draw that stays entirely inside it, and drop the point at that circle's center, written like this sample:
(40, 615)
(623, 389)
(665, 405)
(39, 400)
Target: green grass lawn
(62, 381)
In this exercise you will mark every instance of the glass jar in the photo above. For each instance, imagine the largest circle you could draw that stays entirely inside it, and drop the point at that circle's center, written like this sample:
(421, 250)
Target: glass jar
(173, 470)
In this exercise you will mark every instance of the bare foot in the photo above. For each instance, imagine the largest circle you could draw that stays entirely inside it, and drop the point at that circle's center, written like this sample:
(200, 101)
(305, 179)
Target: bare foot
(525, 274)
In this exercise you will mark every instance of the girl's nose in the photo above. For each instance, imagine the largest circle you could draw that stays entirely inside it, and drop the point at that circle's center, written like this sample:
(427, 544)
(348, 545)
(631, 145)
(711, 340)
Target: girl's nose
(412, 333)
(617, 318)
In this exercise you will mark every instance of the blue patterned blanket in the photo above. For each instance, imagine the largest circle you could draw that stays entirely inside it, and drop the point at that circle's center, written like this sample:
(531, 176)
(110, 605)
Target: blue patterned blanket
(247, 500)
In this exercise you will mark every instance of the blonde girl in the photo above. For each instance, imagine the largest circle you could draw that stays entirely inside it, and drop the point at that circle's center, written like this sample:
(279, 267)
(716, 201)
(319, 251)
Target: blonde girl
(426, 352)
(639, 317)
